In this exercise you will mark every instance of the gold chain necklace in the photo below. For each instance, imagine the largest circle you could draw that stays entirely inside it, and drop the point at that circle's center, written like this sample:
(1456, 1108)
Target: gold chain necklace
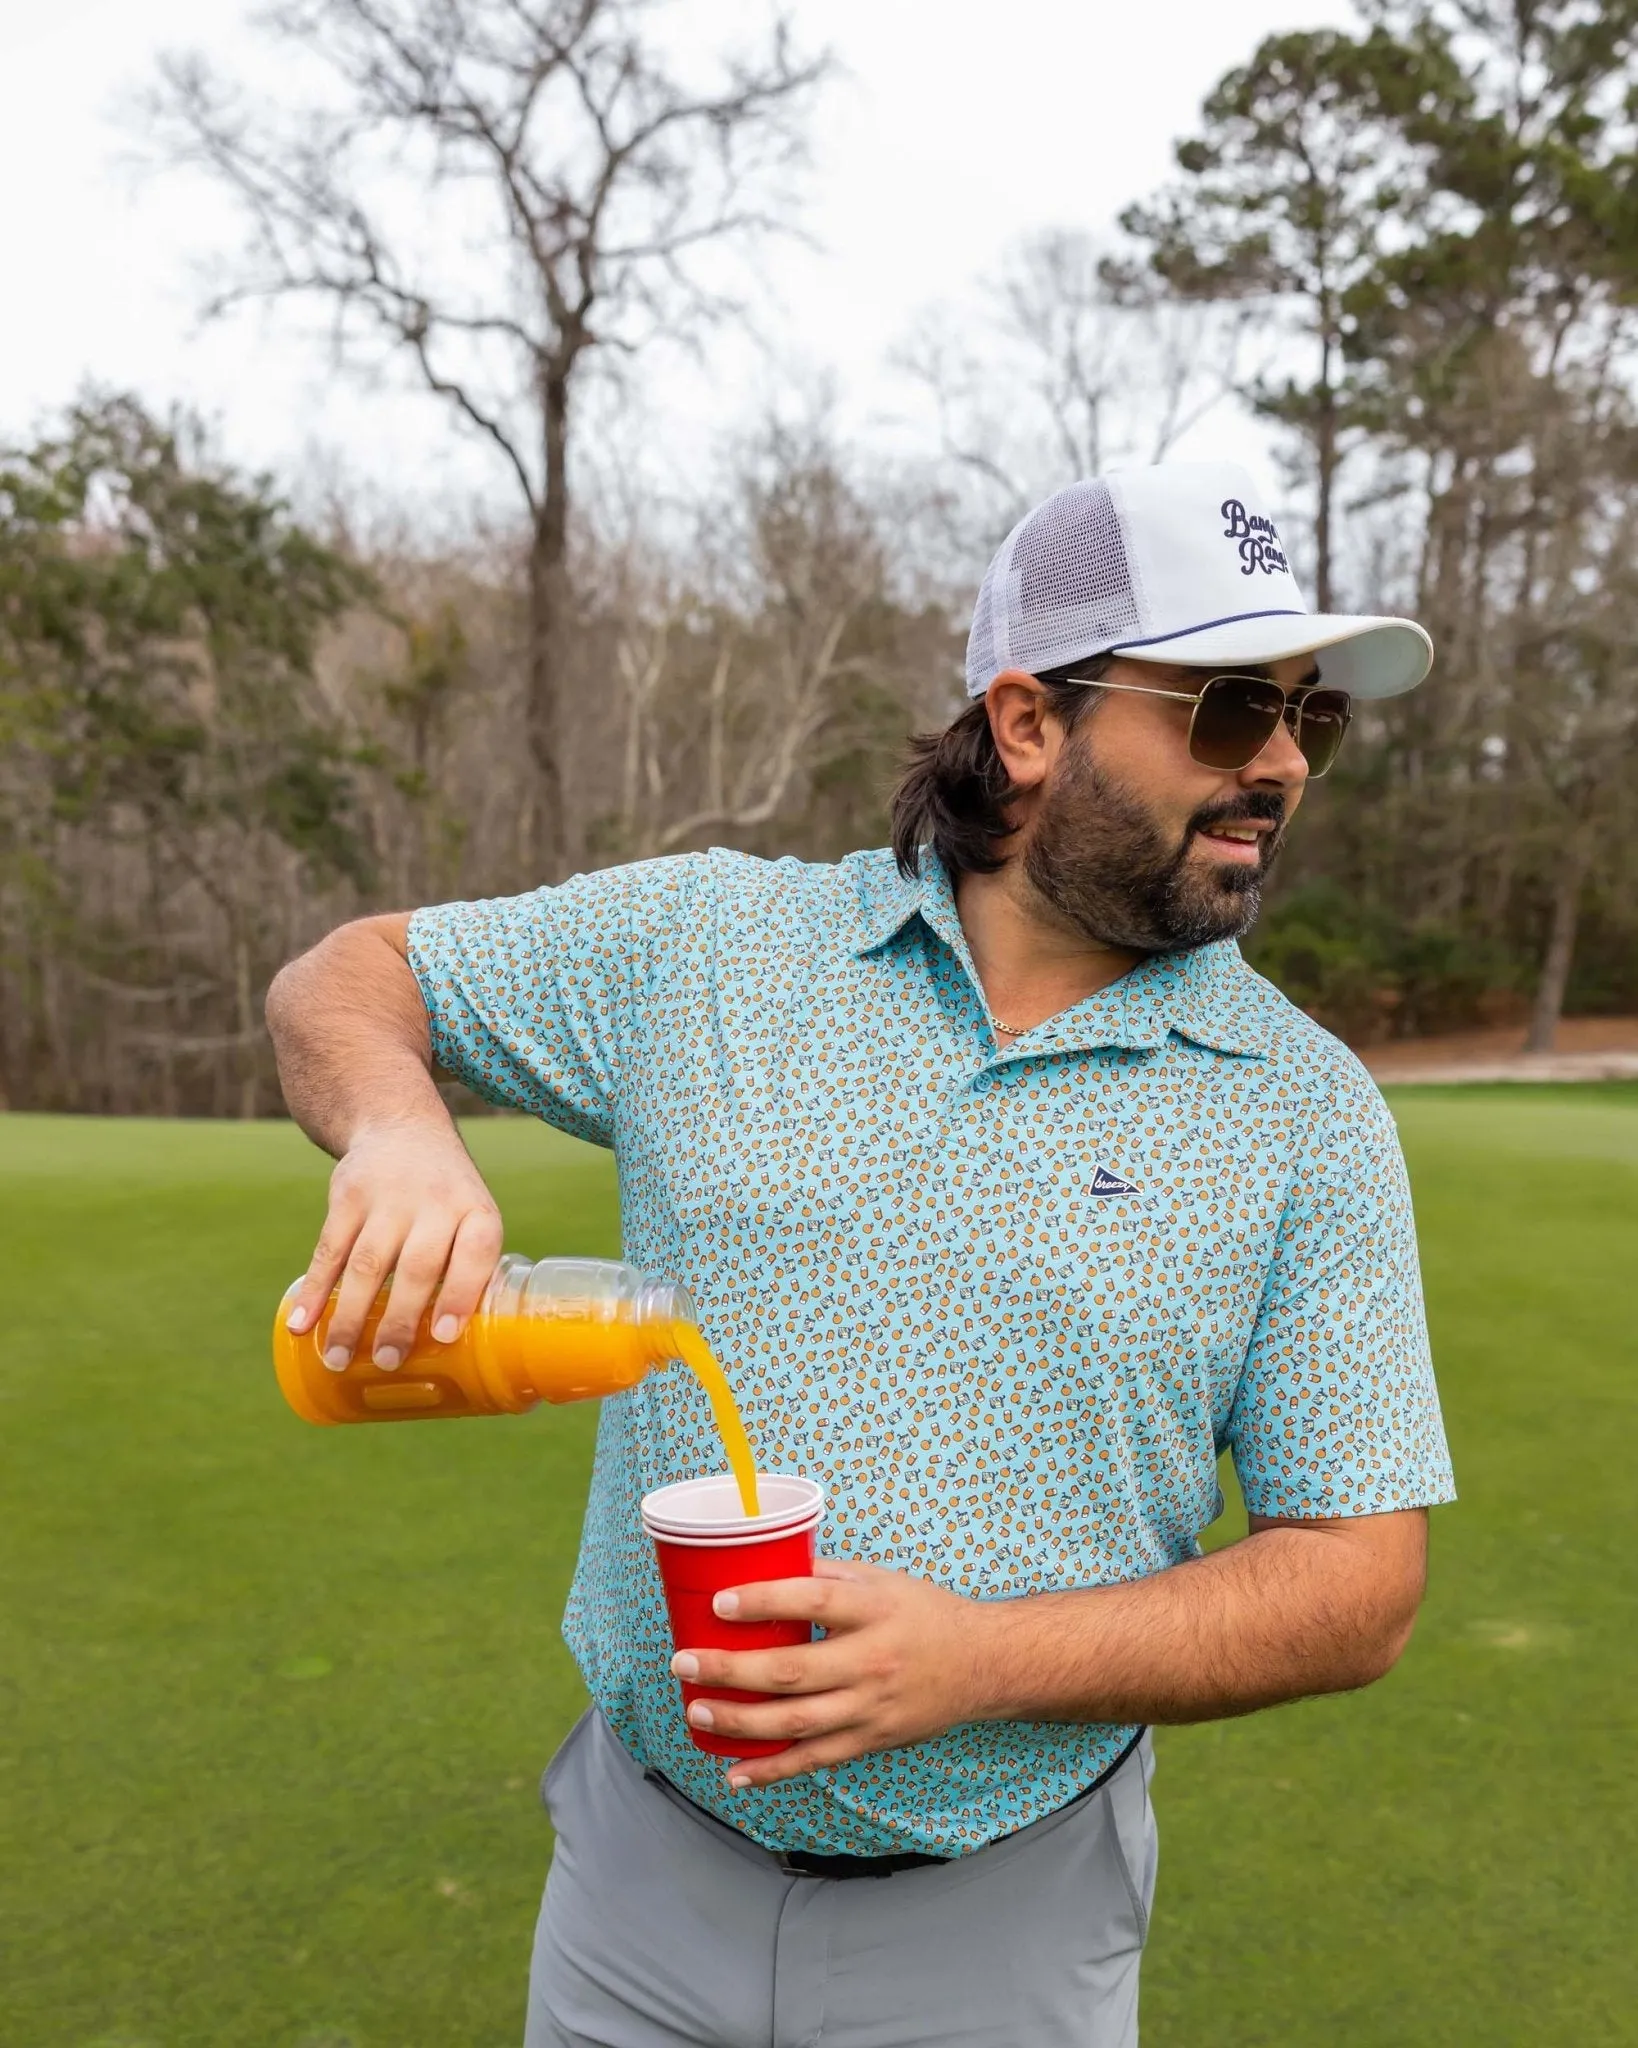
(1010, 1030)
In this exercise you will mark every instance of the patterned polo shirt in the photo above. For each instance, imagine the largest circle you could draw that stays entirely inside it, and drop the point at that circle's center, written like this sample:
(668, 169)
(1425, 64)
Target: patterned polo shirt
(1006, 1303)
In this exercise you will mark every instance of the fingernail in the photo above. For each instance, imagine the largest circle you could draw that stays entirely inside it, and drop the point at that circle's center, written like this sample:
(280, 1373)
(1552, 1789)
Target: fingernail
(738, 1783)
(701, 1716)
(297, 1320)
(446, 1329)
(337, 1360)
(389, 1358)
(725, 1604)
(685, 1665)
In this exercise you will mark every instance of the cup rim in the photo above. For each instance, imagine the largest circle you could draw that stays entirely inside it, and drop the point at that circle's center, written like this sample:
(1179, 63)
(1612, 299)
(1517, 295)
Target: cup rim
(672, 1533)
(661, 1521)
(669, 1540)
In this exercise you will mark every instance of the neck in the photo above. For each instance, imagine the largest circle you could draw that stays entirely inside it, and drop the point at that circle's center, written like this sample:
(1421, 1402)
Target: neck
(1031, 963)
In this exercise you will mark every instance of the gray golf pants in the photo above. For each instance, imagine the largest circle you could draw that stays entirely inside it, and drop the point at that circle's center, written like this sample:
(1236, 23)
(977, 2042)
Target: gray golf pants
(662, 1928)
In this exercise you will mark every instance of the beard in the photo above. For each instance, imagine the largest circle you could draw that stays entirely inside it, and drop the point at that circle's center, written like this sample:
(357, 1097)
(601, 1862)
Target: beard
(1102, 863)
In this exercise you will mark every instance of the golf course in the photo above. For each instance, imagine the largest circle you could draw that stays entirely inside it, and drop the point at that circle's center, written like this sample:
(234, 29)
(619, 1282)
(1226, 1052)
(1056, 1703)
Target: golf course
(276, 1699)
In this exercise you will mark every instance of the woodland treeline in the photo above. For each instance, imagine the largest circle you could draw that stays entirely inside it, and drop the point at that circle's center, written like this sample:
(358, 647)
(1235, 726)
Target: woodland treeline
(1412, 249)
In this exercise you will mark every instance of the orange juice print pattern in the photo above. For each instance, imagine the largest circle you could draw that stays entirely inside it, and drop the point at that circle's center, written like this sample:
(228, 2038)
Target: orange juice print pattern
(1005, 1303)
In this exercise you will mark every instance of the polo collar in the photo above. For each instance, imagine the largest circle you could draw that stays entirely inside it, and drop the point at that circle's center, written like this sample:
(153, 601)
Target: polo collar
(889, 899)
(1201, 995)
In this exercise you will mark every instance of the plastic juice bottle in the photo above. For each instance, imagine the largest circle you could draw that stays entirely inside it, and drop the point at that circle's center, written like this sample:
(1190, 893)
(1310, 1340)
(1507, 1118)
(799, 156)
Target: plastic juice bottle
(546, 1330)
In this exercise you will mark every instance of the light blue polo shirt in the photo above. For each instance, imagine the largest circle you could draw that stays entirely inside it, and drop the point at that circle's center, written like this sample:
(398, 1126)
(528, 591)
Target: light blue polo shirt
(1006, 1303)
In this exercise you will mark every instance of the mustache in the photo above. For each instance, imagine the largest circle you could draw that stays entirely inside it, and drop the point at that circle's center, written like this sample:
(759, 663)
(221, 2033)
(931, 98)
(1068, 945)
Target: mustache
(1255, 806)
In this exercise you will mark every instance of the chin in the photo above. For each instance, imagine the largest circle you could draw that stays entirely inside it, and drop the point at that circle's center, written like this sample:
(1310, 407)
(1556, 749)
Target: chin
(1208, 914)
(1223, 888)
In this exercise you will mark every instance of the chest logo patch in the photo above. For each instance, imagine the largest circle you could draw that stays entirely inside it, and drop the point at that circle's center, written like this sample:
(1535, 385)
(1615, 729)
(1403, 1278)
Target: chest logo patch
(1106, 1183)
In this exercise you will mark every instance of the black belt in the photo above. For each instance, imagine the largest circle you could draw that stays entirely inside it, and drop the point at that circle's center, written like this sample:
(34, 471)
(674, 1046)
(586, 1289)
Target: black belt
(813, 1863)
(809, 1863)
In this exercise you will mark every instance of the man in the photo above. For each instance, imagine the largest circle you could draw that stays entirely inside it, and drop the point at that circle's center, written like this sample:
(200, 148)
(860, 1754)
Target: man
(1010, 1196)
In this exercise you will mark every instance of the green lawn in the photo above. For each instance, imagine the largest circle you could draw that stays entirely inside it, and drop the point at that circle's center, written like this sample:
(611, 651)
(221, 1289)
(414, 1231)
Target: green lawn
(273, 1700)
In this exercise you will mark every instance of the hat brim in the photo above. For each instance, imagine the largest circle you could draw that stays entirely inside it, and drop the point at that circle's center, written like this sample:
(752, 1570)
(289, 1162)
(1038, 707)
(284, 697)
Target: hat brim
(1367, 657)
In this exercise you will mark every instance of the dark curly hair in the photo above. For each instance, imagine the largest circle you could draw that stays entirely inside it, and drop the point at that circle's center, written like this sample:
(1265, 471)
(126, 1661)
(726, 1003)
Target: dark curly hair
(955, 791)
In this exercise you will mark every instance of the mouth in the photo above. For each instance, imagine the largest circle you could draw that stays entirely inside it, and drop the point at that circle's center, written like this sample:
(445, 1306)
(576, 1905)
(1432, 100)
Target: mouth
(1238, 841)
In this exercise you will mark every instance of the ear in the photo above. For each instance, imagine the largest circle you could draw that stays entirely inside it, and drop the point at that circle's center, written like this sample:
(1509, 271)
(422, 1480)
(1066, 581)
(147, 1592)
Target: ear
(1027, 737)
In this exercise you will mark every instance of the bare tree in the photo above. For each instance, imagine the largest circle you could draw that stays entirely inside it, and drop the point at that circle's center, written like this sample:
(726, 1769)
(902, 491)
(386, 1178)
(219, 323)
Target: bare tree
(1120, 367)
(1076, 360)
(769, 659)
(568, 175)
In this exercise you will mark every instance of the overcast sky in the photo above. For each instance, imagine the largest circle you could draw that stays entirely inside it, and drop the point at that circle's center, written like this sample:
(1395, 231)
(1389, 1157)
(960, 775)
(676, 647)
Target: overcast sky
(958, 128)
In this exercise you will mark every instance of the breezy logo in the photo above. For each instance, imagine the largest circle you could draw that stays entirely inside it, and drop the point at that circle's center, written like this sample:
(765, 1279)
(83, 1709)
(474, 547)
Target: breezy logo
(1108, 1184)
(1259, 543)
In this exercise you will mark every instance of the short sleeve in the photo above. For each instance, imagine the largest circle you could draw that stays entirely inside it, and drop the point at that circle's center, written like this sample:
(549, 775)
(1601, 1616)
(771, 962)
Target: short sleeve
(1336, 1411)
(531, 999)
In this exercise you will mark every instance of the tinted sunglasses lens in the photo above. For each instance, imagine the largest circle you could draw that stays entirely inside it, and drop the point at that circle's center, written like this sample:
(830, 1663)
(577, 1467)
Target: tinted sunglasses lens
(1322, 723)
(1235, 719)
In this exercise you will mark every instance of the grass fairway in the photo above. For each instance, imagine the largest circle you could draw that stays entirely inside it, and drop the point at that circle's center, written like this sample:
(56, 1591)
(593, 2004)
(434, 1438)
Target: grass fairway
(275, 1699)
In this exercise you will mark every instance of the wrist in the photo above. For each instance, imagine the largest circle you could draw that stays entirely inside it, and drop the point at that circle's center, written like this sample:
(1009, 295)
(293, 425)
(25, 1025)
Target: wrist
(426, 1119)
(999, 1659)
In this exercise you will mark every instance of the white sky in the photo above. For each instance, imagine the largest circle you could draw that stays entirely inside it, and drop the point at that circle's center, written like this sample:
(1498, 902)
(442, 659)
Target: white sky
(959, 128)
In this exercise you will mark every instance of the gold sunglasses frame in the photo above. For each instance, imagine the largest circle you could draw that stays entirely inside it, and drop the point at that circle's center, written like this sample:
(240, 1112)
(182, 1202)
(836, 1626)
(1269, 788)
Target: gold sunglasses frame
(1290, 715)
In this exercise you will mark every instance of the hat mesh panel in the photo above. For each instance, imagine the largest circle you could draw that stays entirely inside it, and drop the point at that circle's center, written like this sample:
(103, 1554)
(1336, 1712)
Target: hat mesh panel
(1060, 589)
(982, 649)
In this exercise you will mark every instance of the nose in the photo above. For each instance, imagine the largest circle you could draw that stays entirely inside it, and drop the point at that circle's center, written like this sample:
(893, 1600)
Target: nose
(1281, 761)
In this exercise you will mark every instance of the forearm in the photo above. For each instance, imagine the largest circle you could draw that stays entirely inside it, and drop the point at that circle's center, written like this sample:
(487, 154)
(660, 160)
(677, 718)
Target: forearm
(1290, 1611)
(350, 1033)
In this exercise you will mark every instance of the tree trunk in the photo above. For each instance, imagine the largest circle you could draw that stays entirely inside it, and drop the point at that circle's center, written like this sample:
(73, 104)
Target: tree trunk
(169, 1093)
(1325, 451)
(60, 1060)
(548, 626)
(249, 1034)
(1555, 966)
(546, 608)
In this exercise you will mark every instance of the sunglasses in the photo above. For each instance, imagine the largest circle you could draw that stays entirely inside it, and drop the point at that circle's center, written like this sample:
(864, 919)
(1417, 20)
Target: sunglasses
(1235, 717)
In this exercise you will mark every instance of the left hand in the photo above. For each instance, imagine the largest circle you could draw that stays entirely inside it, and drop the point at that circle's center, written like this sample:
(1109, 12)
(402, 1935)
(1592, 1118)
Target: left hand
(902, 1660)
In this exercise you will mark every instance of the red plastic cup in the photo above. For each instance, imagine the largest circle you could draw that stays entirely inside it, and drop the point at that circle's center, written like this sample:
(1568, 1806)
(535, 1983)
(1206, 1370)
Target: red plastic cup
(705, 1542)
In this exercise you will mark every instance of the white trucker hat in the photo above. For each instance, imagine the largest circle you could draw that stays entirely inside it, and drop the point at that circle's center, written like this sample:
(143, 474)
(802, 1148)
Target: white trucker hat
(1178, 563)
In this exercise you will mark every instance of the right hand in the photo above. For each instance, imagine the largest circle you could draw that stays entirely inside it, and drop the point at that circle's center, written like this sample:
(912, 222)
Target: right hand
(405, 1200)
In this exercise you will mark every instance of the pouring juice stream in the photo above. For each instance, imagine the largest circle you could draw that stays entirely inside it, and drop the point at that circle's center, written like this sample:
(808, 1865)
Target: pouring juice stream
(695, 1353)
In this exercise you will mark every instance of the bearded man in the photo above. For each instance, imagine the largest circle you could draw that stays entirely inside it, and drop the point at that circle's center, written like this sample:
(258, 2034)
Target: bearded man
(1010, 1198)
